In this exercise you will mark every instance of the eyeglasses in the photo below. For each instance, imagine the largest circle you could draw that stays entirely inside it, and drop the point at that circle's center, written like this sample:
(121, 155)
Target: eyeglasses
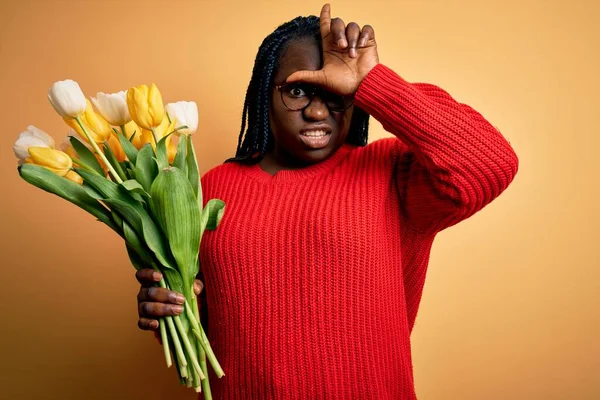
(298, 96)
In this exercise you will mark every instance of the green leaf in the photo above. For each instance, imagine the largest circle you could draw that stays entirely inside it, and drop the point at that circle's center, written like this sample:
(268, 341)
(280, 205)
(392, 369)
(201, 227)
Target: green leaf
(174, 205)
(90, 190)
(214, 211)
(161, 153)
(175, 281)
(130, 169)
(105, 187)
(145, 167)
(130, 151)
(70, 191)
(133, 212)
(135, 259)
(110, 156)
(86, 155)
(179, 161)
(134, 186)
(192, 171)
(134, 242)
(118, 220)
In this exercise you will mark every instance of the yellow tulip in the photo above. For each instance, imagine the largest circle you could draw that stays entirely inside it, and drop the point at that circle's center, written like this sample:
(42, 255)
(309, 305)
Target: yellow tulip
(96, 126)
(131, 128)
(74, 177)
(142, 137)
(165, 128)
(55, 160)
(145, 106)
(171, 148)
(161, 131)
(117, 149)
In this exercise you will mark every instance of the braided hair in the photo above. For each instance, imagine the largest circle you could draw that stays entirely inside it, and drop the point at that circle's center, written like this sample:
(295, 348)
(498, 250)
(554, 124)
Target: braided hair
(255, 137)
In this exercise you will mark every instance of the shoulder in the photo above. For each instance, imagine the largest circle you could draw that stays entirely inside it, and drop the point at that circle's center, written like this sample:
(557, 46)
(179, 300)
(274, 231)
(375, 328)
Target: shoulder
(385, 148)
(225, 171)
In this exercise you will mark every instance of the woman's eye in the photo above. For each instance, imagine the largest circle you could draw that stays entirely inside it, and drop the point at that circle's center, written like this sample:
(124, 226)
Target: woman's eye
(297, 92)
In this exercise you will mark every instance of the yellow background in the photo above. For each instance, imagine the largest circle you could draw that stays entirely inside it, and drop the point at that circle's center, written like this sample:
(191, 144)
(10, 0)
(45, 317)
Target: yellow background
(511, 304)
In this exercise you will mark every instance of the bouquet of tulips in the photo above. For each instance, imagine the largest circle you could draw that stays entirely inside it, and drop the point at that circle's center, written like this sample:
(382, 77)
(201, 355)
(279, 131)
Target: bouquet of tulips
(130, 162)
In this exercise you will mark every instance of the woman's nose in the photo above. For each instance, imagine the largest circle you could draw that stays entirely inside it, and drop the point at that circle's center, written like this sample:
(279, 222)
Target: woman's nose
(317, 109)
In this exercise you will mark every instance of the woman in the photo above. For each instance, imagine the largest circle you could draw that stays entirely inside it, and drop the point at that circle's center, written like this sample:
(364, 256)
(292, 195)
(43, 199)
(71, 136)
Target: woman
(314, 277)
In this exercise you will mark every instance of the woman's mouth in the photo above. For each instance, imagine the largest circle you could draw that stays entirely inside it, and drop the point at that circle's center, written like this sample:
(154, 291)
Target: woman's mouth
(315, 138)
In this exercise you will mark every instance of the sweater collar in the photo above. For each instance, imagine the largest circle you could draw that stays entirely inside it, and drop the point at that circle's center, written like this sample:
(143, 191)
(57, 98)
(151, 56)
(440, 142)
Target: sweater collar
(291, 175)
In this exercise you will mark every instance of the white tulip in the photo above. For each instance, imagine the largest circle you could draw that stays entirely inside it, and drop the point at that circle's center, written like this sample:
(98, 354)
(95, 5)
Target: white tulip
(113, 107)
(184, 113)
(67, 98)
(32, 137)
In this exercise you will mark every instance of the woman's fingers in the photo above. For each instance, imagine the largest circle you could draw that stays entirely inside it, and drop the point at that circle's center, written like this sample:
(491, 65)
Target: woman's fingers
(148, 277)
(338, 32)
(160, 295)
(147, 324)
(152, 310)
(198, 286)
(367, 33)
(352, 35)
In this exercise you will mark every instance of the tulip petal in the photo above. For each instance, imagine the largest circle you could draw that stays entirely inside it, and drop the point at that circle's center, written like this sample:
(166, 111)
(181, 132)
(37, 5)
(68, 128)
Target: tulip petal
(113, 107)
(54, 160)
(67, 98)
(155, 104)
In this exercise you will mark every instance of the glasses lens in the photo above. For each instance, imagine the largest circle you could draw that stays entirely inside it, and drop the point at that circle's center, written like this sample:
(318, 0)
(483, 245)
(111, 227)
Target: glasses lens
(298, 96)
(335, 102)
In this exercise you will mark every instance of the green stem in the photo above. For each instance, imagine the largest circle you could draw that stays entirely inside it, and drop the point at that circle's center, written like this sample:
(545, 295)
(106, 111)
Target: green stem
(98, 151)
(205, 382)
(188, 346)
(123, 130)
(172, 330)
(184, 370)
(165, 340)
(190, 372)
(201, 336)
(178, 348)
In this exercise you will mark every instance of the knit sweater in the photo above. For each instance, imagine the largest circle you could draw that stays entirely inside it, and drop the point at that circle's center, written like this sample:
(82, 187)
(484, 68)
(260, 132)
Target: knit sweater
(314, 276)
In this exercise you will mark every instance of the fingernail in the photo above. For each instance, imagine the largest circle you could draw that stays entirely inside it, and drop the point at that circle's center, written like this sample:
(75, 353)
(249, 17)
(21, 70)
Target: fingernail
(154, 325)
(177, 298)
(352, 52)
(177, 309)
(156, 276)
(342, 43)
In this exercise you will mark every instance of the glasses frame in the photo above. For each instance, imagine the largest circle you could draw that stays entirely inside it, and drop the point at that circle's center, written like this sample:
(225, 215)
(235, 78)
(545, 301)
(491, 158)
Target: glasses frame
(311, 96)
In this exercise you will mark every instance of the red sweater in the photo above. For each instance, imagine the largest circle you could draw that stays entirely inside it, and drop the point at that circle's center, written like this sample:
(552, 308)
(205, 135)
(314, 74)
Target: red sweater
(314, 277)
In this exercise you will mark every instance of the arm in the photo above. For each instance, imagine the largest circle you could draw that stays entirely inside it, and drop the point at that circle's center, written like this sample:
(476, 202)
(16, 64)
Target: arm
(451, 161)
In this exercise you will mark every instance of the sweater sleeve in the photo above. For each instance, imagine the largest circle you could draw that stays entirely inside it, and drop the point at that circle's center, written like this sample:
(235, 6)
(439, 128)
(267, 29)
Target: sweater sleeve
(450, 161)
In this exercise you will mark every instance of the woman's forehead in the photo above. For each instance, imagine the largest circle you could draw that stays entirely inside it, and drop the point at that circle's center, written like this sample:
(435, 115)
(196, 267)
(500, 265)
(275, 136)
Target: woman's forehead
(300, 54)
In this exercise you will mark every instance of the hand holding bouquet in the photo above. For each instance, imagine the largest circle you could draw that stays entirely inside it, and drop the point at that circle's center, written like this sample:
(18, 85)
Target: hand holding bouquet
(131, 164)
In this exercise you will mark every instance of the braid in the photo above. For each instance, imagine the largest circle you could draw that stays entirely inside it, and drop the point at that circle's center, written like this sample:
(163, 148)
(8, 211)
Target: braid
(255, 137)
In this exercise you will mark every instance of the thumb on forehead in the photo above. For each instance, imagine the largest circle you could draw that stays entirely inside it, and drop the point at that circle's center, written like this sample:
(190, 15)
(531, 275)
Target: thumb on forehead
(313, 77)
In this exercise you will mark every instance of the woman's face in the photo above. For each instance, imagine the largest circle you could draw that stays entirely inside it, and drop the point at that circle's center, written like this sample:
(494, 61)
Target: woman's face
(310, 135)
